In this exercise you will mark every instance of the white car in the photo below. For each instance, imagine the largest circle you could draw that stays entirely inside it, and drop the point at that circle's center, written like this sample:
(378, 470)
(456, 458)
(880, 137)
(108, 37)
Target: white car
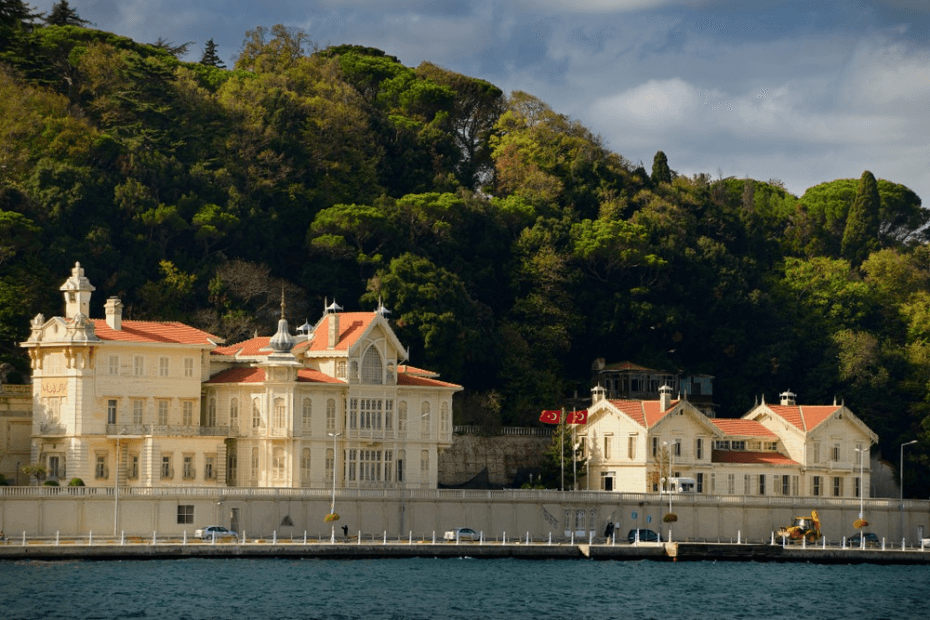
(214, 531)
(461, 533)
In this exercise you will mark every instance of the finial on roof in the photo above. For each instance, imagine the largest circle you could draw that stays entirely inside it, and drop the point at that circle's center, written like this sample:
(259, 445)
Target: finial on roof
(763, 398)
(834, 400)
(282, 302)
(381, 309)
(333, 307)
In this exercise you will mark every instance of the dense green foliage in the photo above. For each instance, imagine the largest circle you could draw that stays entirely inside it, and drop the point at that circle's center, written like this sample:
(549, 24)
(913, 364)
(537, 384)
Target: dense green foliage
(511, 245)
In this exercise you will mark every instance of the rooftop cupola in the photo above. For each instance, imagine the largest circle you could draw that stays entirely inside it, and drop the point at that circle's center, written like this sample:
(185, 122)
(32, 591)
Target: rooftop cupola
(665, 397)
(282, 341)
(788, 398)
(77, 290)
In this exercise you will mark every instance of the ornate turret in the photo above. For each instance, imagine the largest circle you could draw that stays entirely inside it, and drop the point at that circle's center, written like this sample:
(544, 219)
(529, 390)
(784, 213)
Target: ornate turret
(77, 290)
(788, 398)
(282, 341)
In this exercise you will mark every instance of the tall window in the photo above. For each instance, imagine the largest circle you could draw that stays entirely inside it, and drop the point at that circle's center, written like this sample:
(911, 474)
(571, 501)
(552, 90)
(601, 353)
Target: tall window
(837, 486)
(607, 447)
(836, 452)
(138, 365)
(133, 466)
(631, 447)
(163, 413)
(54, 467)
(816, 451)
(256, 414)
(187, 413)
(211, 412)
(388, 464)
(166, 471)
(113, 365)
(858, 454)
(858, 487)
(424, 417)
(402, 417)
(209, 467)
(232, 466)
(305, 467)
(162, 366)
(331, 414)
(100, 470)
(424, 465)
(341, 369)
(444, 417)
(330, 463)
(254, 473)
(389, 414)
(187, 470)
(280, 412)
(700, 482)
(731, 484)
(655, 446)
(699, 448)
(817, 486)
(747, 484)
(401, 457)
(306, 413)
(234, 414)
(188, 366)
(761, 484)
(111, 411)
(137, 409)
(371, 367)
(277, 461)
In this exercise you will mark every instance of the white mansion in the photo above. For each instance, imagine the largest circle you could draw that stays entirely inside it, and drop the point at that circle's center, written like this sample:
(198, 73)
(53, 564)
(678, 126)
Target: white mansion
(785, 449)
(144, 403)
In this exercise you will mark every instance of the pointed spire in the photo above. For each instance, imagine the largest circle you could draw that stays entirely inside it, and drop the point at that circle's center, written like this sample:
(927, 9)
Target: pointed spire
(282, 302)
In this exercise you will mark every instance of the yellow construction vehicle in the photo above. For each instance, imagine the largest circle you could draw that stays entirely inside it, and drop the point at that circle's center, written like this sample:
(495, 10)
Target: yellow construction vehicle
(804, 527)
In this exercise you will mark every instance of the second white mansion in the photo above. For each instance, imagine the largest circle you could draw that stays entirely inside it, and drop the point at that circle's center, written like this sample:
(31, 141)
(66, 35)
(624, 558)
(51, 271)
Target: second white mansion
(145, 403)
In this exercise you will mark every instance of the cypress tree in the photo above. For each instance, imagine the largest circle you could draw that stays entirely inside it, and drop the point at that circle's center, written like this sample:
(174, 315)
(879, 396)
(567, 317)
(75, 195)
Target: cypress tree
(860, 237)
(660, 169)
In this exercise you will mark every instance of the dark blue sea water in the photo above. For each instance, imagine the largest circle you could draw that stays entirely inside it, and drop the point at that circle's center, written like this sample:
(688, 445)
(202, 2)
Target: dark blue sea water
(461, 588)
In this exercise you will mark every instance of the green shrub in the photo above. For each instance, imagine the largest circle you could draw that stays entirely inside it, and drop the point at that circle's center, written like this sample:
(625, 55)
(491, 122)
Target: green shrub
(51, 483)
(76, 482)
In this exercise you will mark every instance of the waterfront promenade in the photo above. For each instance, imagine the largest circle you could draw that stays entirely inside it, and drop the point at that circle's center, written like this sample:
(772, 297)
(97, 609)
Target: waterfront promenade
(134, 548)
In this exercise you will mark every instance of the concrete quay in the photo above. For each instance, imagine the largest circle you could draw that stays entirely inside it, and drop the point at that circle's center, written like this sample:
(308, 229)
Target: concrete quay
(680, 551)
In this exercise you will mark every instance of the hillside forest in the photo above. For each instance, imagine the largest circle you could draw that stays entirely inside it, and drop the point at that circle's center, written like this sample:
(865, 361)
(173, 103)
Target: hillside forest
(512, 247)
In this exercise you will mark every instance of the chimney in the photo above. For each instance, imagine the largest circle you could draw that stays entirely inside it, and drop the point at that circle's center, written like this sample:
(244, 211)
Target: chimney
(597, 394)
(114, 313)
(333, 330)
(788, 398)
(665, 398)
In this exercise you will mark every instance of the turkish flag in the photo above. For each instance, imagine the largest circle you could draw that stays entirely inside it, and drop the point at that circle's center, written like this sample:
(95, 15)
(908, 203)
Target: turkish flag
(578, 417)
(551, 416)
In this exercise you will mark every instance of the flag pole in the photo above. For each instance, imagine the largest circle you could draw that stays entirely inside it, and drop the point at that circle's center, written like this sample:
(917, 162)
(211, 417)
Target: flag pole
(562, 446)
(574, 463)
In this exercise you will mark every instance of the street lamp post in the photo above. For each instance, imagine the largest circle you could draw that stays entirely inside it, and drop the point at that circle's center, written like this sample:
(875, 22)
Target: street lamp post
(332, 505)
(116, 486)
(901, 471)
(671, 457)
(862, 452)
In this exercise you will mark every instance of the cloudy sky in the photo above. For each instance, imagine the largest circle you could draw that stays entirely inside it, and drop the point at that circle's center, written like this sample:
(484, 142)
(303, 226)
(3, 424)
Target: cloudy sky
(801, 91)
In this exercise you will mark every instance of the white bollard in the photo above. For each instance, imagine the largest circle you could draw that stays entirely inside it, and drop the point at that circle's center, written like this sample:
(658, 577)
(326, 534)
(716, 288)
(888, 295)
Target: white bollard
(359, 537)
(739, 537)
(844, 542)
(122, 537)
(385, 537)
(305, 537)
(590, 537)
(56, 538)
(154, 540)
(527, 538)
(573, 537)
(456, 537)
(481, 537)
(504, 541)
(185, 537)
(773, 539)
(274, 537)
(670, 535)
(90, 538)
(903, 547)
(434, 537)
(244, 539)
(550, 538)
(24, 537)
(613, 538)
(824, 542)
(883, 544)
(212, 539)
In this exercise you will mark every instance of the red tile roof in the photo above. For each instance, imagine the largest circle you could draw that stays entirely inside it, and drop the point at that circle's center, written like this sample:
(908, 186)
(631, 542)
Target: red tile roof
(750, 458)
(351, 327)
(249, 348)
(411, 370)
(644, 412)
(257, 375)
(418, 381)
(805, 417)
(153, 331)
(625, 365)
(743, 428)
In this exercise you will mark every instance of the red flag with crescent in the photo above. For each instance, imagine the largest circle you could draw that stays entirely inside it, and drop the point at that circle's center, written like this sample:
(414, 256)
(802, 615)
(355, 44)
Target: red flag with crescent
(551, 416)
(578, 417)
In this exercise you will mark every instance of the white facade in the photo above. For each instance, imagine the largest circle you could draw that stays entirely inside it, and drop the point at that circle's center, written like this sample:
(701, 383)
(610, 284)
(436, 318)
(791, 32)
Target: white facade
(164, 404)
(774, 450)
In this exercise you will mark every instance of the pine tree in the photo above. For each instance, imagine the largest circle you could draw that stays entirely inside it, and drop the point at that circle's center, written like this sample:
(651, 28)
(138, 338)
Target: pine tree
(660, 170)
(210, 57)
(16, 17)
(860, 238)
(63, 15)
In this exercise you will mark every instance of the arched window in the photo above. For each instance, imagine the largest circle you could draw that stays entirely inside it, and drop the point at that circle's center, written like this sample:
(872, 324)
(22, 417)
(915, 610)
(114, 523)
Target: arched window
(390, 373)
(354, 367)
(444, 417)
(341, 369)
(424, 417)
(307, 412)
(402, 417)
(254, 464)
(371, 367)
(256, 414)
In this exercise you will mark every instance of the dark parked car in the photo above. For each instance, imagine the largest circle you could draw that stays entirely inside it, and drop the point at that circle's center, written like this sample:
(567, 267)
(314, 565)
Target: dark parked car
(644, 536)
(871, 540)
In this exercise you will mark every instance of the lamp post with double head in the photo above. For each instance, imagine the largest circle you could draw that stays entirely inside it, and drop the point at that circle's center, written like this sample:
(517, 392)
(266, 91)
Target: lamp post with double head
(901, 499)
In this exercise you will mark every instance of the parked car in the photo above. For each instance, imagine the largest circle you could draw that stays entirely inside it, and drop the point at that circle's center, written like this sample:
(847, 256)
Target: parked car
(211, 531)
(461, 533)
(644, 536)
(871, 540)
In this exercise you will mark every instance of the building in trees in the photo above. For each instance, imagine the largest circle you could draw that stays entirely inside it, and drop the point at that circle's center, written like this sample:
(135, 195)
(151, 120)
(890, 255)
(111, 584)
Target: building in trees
(774, 450)
(143, 403)
(626, 380)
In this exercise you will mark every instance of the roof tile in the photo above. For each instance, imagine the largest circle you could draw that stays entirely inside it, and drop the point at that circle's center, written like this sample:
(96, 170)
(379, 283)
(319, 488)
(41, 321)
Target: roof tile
(153, 332)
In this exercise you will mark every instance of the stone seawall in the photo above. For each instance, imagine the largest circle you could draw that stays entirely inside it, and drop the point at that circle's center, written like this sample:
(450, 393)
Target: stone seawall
(504, 456)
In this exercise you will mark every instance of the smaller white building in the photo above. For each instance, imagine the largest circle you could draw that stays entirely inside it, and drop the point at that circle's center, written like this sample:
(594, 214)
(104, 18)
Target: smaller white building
(780, 450)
